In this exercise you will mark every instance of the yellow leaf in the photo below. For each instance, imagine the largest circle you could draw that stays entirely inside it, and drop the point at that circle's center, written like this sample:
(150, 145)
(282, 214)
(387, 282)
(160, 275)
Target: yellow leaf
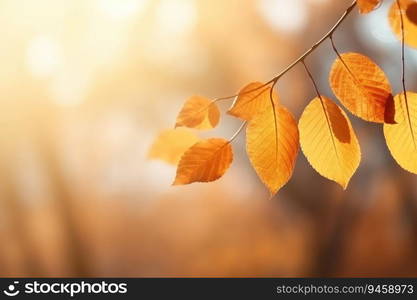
(171, 144)
(198, 112)
(366, 6)
(328, 140)
(362, 87)
(272, 146)
(401, 137)
(205, 161)
(253, 98)
(409, 8)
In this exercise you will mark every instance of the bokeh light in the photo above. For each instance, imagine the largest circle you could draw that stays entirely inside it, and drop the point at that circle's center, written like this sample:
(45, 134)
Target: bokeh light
(285, 16)
(175, 17)
(121, 9)
(43, 56)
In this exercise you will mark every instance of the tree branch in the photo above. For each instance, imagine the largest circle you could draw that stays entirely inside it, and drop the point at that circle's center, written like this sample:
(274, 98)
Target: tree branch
(292, 65)
(318, 43)
(303, 56)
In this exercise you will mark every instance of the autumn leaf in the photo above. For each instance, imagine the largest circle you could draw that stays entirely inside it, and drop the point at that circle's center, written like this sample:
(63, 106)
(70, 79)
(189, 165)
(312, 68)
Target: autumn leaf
(409, 8)
(171, 144)
(401, 138)
(362, 87)
(411, 13)
(366, 6)
(272, 146)
(253, 98)
(205, 161)
(328, 140)
(198, 112)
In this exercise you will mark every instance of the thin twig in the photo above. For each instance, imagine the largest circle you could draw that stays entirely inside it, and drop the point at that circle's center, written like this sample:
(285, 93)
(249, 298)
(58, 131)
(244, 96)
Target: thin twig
(304, 55)
(237, 132)
(318, 43)
(402, 48)
(289, 67)
(403, 72)
(243, 93)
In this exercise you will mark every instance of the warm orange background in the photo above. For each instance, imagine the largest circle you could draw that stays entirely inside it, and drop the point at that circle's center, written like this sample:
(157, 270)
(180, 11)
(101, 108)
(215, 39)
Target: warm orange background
(86, 85)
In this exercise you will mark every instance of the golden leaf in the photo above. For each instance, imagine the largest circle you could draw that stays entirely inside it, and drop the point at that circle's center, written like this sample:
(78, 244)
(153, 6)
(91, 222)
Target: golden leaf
(328, 140)
(366, 6)
(171, 144)
(362, 87)
(409, 8)
(205, 161)
(401, 138)
(198, 112)
(253, 98)
(272, 146)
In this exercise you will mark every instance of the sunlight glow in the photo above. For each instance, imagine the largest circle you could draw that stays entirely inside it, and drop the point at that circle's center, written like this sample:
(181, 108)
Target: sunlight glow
(175, 17)
(43, 56)
(69, 88)
(120, 9)
(284, 15)
(318, 2)
(377, 25)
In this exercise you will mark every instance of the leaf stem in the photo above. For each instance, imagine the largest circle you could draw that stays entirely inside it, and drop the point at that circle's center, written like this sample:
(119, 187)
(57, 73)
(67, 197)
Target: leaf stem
(326, 114)
(343, 62)
(312, 79)
(237, 132)
(335, 48)
(271, 98)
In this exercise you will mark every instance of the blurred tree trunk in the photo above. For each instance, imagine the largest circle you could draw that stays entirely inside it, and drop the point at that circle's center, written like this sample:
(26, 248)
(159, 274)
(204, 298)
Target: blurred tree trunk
(333, 225)
(45, 141)
(16, 221)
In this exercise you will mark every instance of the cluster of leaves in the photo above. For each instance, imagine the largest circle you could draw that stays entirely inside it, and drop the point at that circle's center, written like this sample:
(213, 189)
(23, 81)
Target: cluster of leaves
(324, 131)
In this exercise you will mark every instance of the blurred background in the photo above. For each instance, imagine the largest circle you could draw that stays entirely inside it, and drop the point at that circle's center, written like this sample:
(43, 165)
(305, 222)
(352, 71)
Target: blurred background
(86, 86)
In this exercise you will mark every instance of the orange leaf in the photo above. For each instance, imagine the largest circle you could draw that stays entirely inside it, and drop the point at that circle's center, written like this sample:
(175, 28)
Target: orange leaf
(171, 144)
(409, 8)
(362, 87)
(366, 6)
(198, 112)
(253, 98)
(205, 161)
(401, 137)
(272, 146)
(328, 140)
